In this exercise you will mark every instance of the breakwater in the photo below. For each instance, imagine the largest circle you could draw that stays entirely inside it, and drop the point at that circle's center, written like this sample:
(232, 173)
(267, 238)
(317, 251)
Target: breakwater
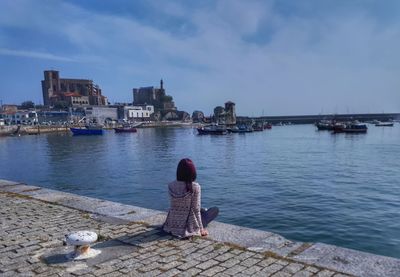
(31, 130)
(310, 119)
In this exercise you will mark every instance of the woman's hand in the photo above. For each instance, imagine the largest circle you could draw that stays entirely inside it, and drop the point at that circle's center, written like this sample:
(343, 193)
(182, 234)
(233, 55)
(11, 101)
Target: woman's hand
(203, 232)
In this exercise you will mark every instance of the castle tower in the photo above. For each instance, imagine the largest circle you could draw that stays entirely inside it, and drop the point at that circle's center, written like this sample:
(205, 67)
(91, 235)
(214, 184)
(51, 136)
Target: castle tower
(50, 86)
(230, 113)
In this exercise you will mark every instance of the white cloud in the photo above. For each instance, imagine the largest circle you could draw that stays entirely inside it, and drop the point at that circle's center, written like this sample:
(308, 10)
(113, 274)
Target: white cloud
(36, 55)
(294, 65)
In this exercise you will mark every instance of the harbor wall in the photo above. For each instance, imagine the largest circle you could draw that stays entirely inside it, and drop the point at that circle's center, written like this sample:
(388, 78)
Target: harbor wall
(311, 119)
(319, 255)
(31, 130)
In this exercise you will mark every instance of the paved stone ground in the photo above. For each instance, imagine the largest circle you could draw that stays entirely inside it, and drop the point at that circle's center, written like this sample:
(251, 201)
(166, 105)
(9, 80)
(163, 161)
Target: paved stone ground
(31, 234)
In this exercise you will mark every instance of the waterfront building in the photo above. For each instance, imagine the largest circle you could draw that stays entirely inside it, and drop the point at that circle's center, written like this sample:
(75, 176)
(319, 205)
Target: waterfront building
(20, 117)
(153, 96)
(53, 117)
(100, 114)
(138, 112)
(8, 109)
(73, 91)
(75, 99)
(164, 106)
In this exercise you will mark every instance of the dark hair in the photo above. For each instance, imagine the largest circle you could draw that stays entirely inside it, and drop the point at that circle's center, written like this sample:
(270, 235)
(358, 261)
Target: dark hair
(186, 172)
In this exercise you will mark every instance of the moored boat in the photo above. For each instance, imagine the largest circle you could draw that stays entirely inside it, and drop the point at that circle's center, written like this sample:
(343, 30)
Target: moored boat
(212, 130)
(384, 124)
(241, 129)
(354, 128)
(258, 128)
(86, 131)
(268, 126)
(125, 130)
(325, 125)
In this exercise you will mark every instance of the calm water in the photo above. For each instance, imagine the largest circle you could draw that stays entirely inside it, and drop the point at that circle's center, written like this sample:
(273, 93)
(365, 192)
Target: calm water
(292, 180)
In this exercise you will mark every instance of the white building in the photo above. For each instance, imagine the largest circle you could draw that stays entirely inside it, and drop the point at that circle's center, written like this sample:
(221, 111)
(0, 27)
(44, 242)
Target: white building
(101, 114)
(21, 117)
(139, 112)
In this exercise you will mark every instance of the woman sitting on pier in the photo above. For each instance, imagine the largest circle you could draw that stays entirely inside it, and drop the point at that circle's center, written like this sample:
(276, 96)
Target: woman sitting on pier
(186, 218)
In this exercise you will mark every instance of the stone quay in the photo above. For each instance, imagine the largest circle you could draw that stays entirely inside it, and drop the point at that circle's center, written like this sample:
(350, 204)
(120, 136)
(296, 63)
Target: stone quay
(34, 221)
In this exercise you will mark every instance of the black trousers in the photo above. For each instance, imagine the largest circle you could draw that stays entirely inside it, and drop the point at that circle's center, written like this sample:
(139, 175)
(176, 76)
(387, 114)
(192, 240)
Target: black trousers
(208, 215)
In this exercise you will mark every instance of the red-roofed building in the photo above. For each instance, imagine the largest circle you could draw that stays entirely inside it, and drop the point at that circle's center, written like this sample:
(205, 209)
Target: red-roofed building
(74, 94)
(9, 109)
(73, 91)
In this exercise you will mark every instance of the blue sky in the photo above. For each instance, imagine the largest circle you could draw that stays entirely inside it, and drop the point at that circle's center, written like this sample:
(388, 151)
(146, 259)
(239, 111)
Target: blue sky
(269, 57)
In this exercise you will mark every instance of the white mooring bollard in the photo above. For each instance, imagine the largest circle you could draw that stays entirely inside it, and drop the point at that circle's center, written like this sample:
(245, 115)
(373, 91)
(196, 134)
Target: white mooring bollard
(82, 240)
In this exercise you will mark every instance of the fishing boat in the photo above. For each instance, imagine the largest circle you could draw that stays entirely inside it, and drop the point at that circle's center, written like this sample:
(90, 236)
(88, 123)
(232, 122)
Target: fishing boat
(212, 130)
(324, 125)
(258, 128)
(384, 124)
(354, 128)
(268, 126)
(86, 131)
(126, 129)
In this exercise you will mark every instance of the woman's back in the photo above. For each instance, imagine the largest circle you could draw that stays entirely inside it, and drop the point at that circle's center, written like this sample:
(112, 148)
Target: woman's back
(184, 218)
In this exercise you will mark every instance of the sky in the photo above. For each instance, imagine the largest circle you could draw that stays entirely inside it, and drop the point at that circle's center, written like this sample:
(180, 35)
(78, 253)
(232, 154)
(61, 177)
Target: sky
(280, 57)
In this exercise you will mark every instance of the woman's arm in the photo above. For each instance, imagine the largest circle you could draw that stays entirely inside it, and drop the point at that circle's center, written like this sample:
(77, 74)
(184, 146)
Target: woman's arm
(197, 206)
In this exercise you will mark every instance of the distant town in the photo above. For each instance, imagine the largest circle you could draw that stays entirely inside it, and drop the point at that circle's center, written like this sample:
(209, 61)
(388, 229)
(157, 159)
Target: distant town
(73, 101)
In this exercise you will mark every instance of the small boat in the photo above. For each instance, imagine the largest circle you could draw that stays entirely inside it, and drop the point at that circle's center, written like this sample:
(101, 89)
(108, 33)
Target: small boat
(351, 128)
(384, 124)
(258, 128)
(125, 130)
(86, 131)
(324, 126)
(241, 129)
(268, 126)
(212, 130)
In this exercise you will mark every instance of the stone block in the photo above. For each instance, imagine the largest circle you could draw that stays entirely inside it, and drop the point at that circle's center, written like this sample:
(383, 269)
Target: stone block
(148, 216)
(19, 188)
(213, 271)
(303, 273)
(5, 183)
(242, 236)
(207, 264)
(293, 268)
(314, 253)
(350, 261)
(276, 244)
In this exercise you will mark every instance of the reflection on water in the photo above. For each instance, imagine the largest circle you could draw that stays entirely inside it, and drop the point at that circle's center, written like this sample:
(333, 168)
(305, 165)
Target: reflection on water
(292, 180)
